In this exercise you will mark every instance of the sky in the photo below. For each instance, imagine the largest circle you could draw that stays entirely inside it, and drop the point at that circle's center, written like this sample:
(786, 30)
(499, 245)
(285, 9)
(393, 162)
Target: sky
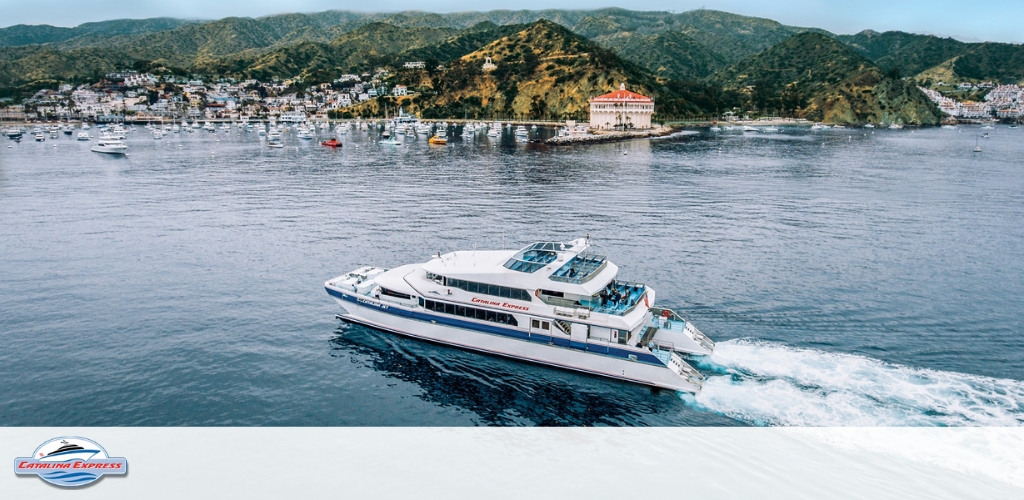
(994, 20)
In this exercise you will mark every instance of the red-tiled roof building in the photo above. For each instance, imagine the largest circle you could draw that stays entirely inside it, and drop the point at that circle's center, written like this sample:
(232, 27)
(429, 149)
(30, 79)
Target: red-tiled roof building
(621, 109)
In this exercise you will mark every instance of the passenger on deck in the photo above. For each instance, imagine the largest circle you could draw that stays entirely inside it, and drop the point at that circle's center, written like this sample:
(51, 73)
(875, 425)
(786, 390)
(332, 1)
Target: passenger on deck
(572, 272)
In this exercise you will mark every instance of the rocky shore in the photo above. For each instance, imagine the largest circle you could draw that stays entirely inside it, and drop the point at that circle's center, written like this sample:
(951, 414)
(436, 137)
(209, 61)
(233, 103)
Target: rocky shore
(606, 136)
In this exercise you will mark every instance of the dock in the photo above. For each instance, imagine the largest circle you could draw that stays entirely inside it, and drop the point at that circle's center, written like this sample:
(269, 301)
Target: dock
(606, 136)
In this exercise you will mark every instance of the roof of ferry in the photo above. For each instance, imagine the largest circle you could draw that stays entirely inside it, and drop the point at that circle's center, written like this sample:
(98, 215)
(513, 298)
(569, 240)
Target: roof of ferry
(488, 266)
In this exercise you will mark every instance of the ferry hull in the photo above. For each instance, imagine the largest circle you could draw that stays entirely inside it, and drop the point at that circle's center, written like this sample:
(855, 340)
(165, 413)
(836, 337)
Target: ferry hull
(545, 354)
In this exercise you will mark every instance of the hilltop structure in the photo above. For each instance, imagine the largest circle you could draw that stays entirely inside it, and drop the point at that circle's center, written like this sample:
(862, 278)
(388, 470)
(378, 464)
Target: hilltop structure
(621, 109)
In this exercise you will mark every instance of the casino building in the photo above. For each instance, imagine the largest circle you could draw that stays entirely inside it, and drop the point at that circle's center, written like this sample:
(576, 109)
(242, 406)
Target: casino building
(621, 110)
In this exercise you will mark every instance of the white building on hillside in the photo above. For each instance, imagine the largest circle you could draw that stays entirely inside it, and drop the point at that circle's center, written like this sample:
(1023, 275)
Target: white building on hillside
(621, 109)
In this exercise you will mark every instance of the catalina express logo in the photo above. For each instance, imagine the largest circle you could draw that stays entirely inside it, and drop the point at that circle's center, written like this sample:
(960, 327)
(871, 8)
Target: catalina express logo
(70, 461)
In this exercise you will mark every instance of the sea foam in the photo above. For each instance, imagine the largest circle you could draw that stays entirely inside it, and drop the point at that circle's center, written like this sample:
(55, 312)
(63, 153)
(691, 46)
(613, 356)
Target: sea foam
(764, 383)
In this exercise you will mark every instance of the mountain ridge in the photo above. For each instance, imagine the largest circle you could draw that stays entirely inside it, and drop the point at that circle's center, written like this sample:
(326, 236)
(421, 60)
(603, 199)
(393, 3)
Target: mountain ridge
(688, 57)
(819, 78)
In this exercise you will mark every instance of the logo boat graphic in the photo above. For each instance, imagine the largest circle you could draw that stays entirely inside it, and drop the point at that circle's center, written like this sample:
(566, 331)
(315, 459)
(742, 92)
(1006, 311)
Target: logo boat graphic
(68, 452)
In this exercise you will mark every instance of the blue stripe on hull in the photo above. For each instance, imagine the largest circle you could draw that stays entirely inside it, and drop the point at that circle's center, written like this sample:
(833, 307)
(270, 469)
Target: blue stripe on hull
(378, 326)
(600, 349)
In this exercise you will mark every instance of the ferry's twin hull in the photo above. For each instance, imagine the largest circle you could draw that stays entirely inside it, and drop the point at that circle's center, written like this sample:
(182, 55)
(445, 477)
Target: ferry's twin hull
(599, 358)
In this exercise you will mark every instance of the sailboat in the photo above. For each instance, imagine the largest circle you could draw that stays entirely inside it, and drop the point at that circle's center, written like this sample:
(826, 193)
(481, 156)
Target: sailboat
(977, 147)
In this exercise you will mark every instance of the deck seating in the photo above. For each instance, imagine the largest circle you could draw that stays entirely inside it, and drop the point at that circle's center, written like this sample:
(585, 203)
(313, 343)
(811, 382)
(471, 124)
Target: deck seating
(630, 294)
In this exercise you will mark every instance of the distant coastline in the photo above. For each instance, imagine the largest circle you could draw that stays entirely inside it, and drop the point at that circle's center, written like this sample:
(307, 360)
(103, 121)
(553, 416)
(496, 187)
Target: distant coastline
(512, 65)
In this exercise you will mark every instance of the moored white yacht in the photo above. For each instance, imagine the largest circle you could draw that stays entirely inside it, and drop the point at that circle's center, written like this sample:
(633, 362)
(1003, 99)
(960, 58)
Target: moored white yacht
(110, 145)
(551, 303)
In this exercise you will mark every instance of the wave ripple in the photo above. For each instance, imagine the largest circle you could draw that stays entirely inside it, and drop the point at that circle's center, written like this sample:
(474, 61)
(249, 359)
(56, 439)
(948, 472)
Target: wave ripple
(769, 384)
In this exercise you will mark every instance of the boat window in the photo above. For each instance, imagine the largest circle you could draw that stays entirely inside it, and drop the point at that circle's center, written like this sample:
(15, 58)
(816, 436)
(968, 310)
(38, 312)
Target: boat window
(534, 324)
(471, 312)
(579, 269)
(532, 258)
(392, 293)
(495, 290)
(544, 325)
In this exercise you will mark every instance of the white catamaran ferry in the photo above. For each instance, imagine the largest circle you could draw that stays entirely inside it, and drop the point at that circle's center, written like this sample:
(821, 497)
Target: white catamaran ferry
(551, 303)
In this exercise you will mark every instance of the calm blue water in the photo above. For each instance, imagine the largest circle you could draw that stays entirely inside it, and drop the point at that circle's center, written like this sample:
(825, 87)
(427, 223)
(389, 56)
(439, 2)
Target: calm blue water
(850, 277)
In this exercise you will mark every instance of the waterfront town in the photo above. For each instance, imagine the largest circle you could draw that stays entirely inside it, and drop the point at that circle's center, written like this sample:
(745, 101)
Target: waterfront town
(131, 96)
(1000, 101)
(143, 97)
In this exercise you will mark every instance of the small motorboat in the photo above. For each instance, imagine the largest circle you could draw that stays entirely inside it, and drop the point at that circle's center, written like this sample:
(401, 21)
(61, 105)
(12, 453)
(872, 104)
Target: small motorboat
(333, 143)
(437, 140)
(390, 142)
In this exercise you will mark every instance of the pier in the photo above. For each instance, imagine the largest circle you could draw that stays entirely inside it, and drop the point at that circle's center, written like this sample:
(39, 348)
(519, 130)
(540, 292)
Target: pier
(611, 136)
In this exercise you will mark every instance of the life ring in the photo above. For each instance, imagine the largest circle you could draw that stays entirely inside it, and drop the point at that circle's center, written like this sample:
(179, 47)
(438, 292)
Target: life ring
(665, 313)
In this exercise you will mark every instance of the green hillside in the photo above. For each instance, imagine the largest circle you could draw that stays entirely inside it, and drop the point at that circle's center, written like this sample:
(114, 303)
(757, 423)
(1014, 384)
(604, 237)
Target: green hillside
(669, 54)
(1002, 62)
(23, 34)
(816, 77)
(362, 49)
(462, 43)
(543, 70)
(753, 59)
(734, 37)
(907, 53)
(34, 66)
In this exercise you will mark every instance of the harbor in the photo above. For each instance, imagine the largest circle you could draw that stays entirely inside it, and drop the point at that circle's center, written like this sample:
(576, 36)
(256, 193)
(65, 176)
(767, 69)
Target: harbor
(221, 246)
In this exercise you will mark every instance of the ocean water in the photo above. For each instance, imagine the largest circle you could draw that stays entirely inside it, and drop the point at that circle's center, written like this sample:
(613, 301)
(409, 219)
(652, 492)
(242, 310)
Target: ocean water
(850, 277)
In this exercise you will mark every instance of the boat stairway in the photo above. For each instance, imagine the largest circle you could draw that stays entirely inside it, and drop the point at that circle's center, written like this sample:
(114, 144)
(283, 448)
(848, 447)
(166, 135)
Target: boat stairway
(672, 328)
(665, 352)
(563, 325)
(648, 335)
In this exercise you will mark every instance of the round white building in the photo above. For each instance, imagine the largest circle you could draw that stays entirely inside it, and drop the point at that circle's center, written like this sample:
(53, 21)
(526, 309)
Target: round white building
(621, 109)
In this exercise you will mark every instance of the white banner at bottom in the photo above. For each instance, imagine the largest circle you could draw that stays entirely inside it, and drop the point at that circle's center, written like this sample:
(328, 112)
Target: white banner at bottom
(526, 463)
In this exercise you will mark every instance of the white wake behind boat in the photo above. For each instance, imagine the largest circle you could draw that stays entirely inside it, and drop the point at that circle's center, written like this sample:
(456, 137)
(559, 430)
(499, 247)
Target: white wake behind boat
(550, 303)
